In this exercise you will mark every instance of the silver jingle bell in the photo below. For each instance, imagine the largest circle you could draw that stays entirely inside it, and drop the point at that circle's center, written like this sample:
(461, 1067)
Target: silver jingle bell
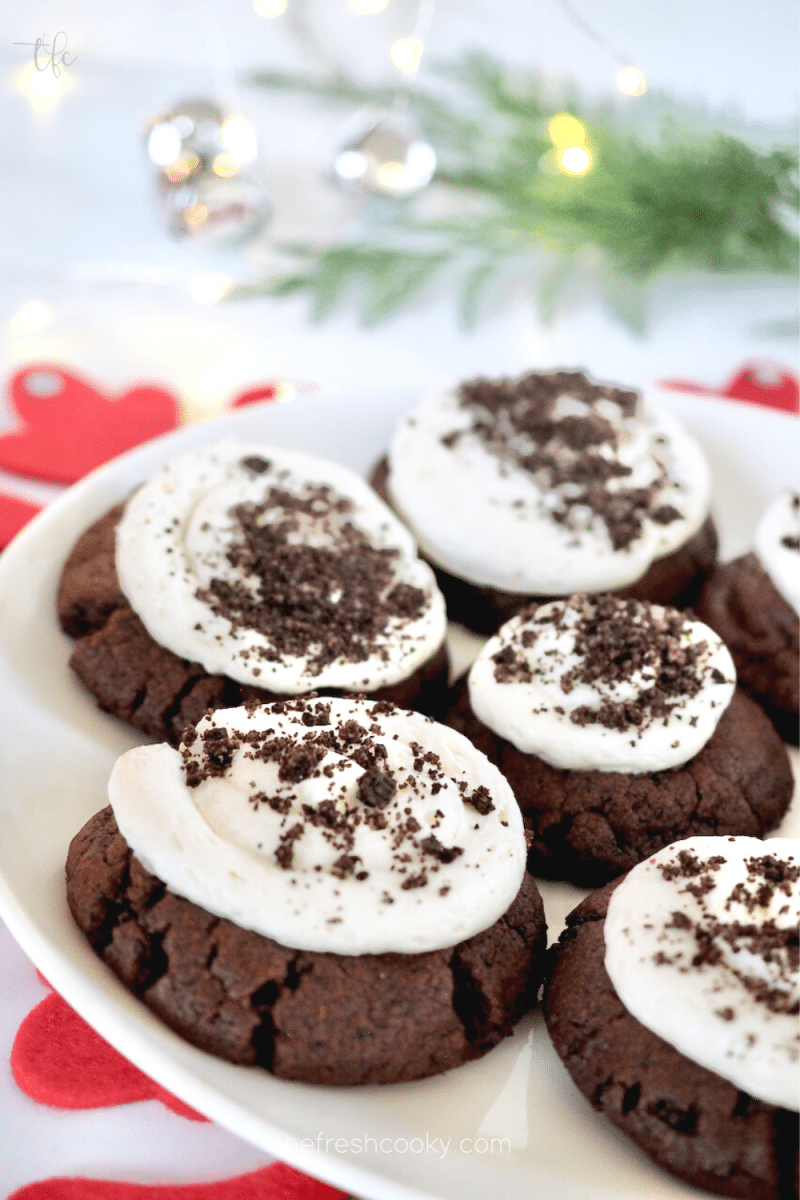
(201, 157)
(384, 155)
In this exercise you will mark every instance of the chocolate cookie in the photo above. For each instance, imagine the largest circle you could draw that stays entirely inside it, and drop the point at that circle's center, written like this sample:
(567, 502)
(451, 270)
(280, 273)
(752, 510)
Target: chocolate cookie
(675, 579)
(689, 1119)
(762, 632)
(145, 684)
(590, 826)
(319, 1018)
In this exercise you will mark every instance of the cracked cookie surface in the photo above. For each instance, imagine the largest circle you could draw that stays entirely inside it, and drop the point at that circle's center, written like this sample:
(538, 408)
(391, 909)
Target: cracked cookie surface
(591, 826)
(688, 1118)
(761, 630)
(319, 1018)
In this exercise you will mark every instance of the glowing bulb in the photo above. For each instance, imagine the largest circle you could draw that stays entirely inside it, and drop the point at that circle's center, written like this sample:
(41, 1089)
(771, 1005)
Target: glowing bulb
(31, 316)
(239, 139)
(631, 81)
(406, 54)
(566, 130)
(366, 7)
(576, 159)
(225, 165)
(210, 287)
(269, 8)
(164, 143)
(43, 89)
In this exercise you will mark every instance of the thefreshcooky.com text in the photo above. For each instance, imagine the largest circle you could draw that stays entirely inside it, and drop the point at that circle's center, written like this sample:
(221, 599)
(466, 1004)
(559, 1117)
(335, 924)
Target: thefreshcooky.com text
(386, 1145)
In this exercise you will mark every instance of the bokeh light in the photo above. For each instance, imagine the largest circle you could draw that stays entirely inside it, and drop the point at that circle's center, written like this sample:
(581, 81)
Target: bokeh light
(566, 130)
(576, 160)
(631, 81)
(31, 316)
(43, 89)
(210, 287)
(406, 54)
(269, 8)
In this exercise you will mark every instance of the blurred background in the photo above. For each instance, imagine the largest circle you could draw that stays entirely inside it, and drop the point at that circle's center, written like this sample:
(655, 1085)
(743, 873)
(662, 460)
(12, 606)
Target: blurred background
(109, 265)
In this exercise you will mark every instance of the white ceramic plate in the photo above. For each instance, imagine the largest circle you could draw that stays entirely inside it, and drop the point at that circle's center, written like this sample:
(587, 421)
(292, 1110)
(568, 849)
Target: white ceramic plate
(512, 1124)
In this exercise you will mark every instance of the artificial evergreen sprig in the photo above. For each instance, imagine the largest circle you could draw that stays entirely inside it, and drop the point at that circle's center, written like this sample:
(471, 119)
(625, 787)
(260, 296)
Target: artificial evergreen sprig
(677, 197)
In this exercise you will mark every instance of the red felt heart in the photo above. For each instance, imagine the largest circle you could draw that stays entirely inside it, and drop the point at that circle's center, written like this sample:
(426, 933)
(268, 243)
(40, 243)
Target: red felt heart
(756, 383)
(266, 391)
(14, 513)
(58, 1059)
(275, 1182)
(70, 427)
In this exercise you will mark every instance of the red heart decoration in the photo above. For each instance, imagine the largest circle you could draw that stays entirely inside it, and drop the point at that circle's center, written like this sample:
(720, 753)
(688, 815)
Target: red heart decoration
(757, 383)
(70, 427)
(275, 1182)
(266, 391)
(14, 513)
(58, 1059)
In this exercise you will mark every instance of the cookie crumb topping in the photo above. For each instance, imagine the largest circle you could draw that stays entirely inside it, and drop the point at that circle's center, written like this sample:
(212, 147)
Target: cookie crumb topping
(702, 947)
(635, 677)
(566, 431)
(277, 569)
(335, 824)
(309, 581)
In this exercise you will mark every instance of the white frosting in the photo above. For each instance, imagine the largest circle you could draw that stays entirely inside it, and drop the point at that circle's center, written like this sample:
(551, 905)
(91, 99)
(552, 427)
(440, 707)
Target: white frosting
(524, 701)
(733, 1015)
(777, 548)
(174, 538)
(221, 843)
(485, 519)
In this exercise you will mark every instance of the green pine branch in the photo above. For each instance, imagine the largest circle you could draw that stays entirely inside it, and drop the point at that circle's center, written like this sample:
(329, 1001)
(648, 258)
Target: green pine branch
(680, 197)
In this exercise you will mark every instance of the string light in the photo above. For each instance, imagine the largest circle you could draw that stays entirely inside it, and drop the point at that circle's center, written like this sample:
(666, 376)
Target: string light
(568, 135)
(566, 130)
(269, 8)
(210, 287)
(31, 316)
(406, 54)
(365, 8)
(576, 160)
(43, 89)
(631, 81)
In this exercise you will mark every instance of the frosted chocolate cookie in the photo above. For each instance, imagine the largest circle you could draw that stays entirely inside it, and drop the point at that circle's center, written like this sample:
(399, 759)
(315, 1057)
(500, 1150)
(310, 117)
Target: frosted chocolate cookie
(331, 889)
(548, 485)
(673, 1001)
(753, 603)
(245, 571)
(620, 729)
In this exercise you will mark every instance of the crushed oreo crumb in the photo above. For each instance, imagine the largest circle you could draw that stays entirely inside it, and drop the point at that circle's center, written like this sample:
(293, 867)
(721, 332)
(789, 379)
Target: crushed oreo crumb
(310, 582)
(517, 421)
